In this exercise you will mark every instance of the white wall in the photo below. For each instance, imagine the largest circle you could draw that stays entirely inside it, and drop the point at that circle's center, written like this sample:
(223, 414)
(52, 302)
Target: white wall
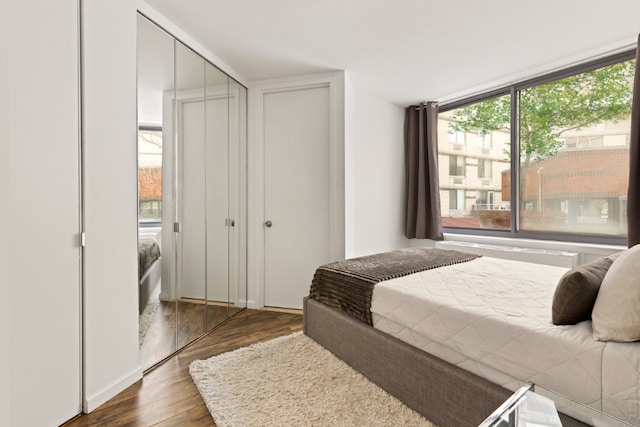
(110, 199)
(5, 289)
(186, 38)
(40, 163)
(349, 167)
(375, 174)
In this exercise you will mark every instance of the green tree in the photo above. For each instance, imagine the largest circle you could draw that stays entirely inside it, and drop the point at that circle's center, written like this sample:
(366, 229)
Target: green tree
(547, 111)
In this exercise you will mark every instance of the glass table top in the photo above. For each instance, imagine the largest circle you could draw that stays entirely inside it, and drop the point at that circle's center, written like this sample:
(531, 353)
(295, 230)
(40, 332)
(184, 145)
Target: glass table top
(534, 406)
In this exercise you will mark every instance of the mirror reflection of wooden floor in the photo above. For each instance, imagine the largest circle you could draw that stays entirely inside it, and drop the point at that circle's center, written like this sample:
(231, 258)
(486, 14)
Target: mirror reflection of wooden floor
(161, 339)
(166, 396)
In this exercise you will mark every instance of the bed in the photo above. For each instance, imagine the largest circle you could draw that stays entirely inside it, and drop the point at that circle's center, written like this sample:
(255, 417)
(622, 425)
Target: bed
(149, 270)
(453, 339)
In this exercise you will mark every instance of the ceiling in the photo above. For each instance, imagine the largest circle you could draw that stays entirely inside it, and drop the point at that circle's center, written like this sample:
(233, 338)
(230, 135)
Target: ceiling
(406, 51)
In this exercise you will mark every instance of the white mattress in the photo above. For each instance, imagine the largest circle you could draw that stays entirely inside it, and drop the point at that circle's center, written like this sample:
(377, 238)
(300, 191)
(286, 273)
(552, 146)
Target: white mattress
(493, 317)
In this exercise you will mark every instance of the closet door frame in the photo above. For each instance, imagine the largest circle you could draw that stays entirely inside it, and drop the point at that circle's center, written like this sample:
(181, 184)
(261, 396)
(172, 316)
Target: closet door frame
(256, 172)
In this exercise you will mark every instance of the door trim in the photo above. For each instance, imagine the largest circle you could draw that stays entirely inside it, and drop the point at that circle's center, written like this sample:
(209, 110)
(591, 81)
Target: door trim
(256, 177)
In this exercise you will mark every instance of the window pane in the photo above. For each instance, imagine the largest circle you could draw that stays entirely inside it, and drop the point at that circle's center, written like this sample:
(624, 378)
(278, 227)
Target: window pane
(484, 168)
(475, 187)
(574, 152)
(456, 165)
(484, 140)
(149, 175)
(453, 199)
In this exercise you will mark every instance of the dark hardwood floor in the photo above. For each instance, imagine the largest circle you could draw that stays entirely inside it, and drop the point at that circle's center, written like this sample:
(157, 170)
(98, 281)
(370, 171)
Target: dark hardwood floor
(188, 317)
(166, 396)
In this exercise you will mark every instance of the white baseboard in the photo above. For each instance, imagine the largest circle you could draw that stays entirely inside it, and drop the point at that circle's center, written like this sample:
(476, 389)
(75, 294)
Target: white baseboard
(92, 402)
(253, 304)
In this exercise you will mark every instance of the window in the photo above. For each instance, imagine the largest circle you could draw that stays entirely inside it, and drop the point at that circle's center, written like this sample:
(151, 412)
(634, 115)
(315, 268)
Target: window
(150, 209)
(570, 155)
(456, 137)
(149, 175)
(484, 140)
(456, 200)
(456, 165)
(484, 200)
(478, 179)
(484, 168)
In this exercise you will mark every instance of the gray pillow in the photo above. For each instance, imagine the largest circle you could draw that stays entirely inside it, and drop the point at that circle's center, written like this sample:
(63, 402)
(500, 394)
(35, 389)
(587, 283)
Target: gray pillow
(576, 292)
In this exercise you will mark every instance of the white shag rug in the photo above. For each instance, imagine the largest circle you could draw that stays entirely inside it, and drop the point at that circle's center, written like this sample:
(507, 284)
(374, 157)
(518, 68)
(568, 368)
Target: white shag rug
(293, 381)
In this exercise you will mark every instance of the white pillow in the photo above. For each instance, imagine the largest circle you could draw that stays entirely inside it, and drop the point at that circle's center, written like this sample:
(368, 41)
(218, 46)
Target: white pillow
(616, 313)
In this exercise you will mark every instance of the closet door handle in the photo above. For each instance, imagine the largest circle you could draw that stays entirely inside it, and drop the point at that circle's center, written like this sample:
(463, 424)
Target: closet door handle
(268, 224)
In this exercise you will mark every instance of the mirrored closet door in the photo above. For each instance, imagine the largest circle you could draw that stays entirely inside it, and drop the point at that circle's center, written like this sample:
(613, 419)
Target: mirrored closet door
(200, 113)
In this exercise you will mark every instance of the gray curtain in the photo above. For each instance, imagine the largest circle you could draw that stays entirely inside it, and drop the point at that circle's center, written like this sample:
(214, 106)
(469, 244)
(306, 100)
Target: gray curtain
(421, 164)
(633, 196)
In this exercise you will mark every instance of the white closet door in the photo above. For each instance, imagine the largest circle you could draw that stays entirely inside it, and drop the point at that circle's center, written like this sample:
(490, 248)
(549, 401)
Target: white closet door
(192, 196)
(297, 192)
(42, 223)
(217, 199)
(205, 188)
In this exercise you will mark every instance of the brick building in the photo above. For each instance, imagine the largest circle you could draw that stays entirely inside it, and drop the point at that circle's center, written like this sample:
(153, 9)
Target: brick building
(150, 175)
(574, 186)
(150, 192)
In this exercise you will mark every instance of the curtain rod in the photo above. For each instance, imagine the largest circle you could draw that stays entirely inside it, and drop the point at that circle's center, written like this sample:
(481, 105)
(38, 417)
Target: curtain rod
(424, 104)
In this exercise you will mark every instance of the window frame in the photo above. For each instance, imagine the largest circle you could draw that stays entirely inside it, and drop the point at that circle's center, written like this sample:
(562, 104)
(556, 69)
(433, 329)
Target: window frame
(513, 90)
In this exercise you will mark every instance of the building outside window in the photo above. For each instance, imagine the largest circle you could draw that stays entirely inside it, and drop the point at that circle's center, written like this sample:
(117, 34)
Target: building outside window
(572, 167)
(149, 176)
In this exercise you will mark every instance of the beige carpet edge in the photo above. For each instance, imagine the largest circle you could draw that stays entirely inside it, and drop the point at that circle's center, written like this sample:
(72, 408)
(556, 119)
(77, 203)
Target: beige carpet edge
(292, 380)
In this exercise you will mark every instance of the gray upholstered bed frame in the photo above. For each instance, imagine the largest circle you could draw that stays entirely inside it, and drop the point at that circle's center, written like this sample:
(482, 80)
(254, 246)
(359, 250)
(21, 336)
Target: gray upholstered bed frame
(443, 393)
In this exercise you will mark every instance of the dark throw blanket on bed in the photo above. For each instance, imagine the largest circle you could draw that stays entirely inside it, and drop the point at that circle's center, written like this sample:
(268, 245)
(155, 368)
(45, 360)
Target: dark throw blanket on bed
(348, 285)
(148, 253)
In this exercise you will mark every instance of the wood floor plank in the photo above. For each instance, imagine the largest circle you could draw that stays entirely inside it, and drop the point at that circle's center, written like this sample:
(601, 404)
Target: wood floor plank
(166, 396)
(188, 316)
